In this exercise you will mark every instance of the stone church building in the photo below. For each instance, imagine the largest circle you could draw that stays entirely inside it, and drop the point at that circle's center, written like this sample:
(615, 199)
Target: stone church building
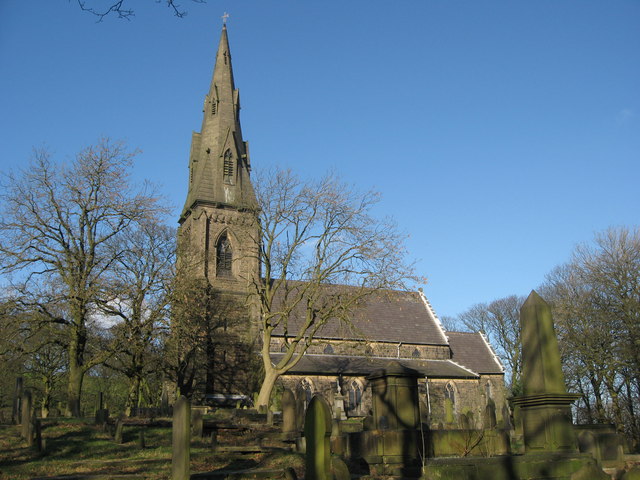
(461, 375)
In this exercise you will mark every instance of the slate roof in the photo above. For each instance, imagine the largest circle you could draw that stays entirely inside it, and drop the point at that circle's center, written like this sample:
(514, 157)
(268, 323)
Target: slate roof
(386, 316)
(322, 364)
(473, 351)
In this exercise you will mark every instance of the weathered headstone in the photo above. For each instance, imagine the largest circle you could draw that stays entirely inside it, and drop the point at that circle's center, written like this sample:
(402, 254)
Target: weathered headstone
(339, 469)
(164, 401)
(141, 441)
(27, 414)
(490, 415)
(269, 419)
(545, 406)
(181, 438)
(38, 443)
(290, 474)
(338, 403)
(197, 421)
(337, 439)
(393, 444)
(119, 433)
(317, 430)
(102, 416)
(16, 416)
(288, 412)
(589, 471)
(214, 439)
(300, 409)
(632, 474)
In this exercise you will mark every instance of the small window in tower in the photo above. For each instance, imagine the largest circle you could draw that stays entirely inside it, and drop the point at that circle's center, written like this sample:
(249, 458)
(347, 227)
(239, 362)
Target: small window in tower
(328, 349)
(214, 106)
(227, 168)
(415, 353)
(225, 257)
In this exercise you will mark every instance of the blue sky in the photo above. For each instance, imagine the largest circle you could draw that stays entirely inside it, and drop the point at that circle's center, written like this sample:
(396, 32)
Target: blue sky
(500, 133)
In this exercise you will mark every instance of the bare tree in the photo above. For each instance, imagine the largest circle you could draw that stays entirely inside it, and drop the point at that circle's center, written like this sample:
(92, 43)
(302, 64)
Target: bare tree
(500, 322)
(322, 253)
(57, 224)
(596, 301)
(32, 348)
(136, 298)
(206, 348)
(121, 9)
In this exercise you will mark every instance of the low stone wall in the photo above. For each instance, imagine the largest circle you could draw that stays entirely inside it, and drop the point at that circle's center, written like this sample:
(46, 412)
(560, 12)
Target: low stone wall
(509, 467)
(460, 443)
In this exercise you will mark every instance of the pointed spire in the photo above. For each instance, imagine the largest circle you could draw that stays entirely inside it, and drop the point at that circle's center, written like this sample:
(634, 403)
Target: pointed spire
(219, 160)
(222, 72)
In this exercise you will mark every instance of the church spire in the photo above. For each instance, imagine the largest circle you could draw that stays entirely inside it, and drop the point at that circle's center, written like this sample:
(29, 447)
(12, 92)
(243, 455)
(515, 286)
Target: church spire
(219, 161)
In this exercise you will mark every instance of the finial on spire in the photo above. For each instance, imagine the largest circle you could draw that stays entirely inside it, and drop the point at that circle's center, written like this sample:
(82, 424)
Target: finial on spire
(224, 19)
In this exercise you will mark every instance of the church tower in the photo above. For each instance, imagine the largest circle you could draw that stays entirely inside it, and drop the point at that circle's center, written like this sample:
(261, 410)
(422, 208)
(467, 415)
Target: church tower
(218, 224)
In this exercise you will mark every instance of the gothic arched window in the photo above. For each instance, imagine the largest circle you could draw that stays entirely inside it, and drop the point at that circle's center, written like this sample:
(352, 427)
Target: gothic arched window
(354, 396)
(224, 258)
(328, 349)
(227, 169)
(450, 394)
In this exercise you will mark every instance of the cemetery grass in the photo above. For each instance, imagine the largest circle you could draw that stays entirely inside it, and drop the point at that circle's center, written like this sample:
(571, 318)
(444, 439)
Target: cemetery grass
(76, 447)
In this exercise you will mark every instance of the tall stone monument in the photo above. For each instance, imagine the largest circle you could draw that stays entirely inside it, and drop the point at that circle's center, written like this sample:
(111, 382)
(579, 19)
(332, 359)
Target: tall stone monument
(545, 406)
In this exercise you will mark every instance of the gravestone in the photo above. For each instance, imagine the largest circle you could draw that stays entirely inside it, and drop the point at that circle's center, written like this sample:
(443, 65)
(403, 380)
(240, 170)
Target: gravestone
(288, 401)
(632, 474)
(338, 403)
(489, 419)
(118, 436)
(141, 441)
(38, 443)
(181, 438)
(102, 416)
(589, 472)
(338, 440)
(317, 432)
(545, 406)
(16, 416)
(27, 414)
(164, 401)
(393, 443)
(197, 421)
(339, 469)
(300, 409)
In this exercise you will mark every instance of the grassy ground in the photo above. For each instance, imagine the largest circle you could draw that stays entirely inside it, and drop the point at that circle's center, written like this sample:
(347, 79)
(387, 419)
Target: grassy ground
(74, 447)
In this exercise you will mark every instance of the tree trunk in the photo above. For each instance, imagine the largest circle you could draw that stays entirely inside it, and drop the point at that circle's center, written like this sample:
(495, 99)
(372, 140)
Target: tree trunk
(46, 399)
(133, 395)
(270, 377)
(74, 388)
(77, 345)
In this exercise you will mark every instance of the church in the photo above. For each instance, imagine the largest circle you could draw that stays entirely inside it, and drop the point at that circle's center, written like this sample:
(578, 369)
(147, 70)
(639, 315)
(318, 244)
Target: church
(461, 377)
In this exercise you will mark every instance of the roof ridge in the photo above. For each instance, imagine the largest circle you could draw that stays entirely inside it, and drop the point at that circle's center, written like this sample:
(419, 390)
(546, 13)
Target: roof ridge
(493, 353)
(431, 310)
(475, 374)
